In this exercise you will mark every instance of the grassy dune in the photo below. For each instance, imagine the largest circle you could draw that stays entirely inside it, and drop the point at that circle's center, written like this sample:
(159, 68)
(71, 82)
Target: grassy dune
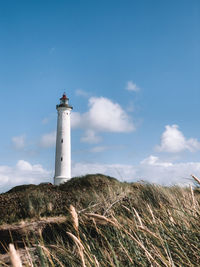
(98, 221)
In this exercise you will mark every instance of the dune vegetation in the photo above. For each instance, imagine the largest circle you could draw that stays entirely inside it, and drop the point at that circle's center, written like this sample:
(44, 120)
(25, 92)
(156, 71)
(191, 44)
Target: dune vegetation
(97, 221)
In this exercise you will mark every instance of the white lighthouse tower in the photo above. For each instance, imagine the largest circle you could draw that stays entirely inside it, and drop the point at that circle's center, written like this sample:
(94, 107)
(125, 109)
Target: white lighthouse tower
(63, 142)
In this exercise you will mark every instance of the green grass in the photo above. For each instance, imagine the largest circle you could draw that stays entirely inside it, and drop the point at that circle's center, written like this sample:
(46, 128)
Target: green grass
(120, 224)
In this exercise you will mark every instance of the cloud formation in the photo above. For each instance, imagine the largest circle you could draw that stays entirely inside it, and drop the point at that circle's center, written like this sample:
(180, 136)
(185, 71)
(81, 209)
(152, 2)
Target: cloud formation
(23, 173)
(157, 171)
(131, 86)
(173, 141)
(155, 161)
(151, 169)
(106, 116)
(103, 116)
(19, 142)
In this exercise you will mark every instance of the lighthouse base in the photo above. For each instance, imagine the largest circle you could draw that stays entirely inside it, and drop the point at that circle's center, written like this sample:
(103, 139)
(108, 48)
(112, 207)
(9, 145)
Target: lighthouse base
(60, 180)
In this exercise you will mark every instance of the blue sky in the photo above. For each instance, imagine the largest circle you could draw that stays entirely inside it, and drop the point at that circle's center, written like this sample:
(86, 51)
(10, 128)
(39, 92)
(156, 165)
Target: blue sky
(131, 71)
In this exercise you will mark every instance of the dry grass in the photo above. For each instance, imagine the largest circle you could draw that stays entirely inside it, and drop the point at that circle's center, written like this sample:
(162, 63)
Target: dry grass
(14, 257)
(129, 225)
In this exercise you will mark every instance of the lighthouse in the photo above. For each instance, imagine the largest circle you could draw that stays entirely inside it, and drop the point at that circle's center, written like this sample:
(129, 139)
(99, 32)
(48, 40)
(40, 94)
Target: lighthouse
(63, 142)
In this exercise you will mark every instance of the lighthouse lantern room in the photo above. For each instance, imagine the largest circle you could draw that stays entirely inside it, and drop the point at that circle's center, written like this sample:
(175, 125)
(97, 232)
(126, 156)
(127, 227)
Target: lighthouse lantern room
(63, 142)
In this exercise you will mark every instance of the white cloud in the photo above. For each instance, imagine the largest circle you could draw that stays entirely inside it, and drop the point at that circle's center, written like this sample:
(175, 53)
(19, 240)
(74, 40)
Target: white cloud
(106, 116)
(151, 169)
(103, 116)
(23, 165)
(154, 161)
(23, 173)
(131, 86)
(90, 137)
(19, 142)
(193, 144)
(173, 141)
(80, 92)
(48, 140)
(154, 170)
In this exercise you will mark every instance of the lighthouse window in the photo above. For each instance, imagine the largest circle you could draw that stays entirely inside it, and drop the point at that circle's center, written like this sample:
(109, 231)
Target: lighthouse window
(61, 158)
(61, 140)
